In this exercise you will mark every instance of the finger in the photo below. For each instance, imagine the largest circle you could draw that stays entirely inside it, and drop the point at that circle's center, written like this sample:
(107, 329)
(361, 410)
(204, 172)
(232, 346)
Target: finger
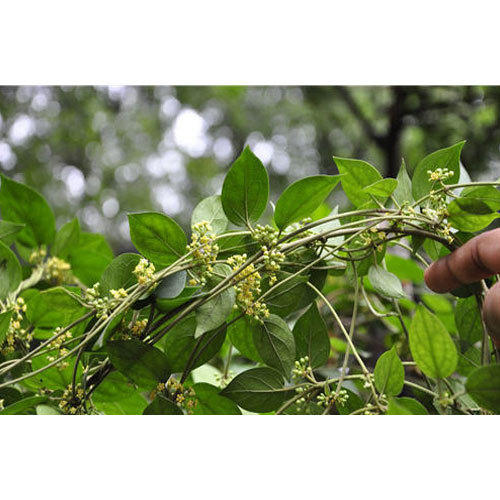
(476, 260)
(491, 313)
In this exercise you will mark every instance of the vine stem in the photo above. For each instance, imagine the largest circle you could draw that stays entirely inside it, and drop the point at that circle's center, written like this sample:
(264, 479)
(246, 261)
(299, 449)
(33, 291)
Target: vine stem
(365, 370)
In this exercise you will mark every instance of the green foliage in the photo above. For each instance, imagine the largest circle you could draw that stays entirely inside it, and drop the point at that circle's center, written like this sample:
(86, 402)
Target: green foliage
(483, 385)
(385, 283)
(20, 203)
(389, 373)
(468, 320)
(266, 319)
(210, 210)
(448, 158)
(431, 345)
(120, 273)
(213, 313)
(210, 402)
(356, 175)
(157, 237)
(10, 271)
(275, 344)
(246, 189)
(143, 364)
(302, 198)
(405, 406)
(162, 406)
(382, 188)
(53, 307)
(311, 338)
(258, 390)
(403, 192)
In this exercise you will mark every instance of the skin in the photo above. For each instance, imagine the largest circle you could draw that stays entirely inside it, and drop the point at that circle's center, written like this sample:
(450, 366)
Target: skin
(479, 258)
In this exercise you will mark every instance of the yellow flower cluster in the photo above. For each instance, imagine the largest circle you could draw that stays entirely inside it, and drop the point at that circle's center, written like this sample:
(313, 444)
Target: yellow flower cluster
(15, 332)
(446, 232)
(144, 272)
(204, 251)
(103, 305)
(121, 293)
(247, 286)
(374, 237)
(37, 256)
(272, 260)
(57, 270)
(73, 404)
(62, 351)
(176, 391)
(138, 327)
(440, 174)
(265, 235)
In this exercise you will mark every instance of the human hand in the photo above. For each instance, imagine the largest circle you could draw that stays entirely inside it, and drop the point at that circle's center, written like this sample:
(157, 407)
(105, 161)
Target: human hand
(477, 259)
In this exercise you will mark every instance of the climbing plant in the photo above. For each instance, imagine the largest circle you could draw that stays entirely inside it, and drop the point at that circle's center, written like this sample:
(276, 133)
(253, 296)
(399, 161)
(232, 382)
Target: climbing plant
(286, 308)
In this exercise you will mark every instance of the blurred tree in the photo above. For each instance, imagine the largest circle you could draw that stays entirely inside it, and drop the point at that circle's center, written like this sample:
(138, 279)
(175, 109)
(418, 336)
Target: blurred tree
(100, 152)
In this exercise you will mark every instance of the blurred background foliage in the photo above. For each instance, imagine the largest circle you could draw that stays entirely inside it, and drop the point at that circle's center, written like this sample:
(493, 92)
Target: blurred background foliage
(100, 152)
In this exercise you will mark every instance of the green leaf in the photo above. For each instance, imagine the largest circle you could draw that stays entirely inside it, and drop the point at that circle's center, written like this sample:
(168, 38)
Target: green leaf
(405, 269)
(470, 214)
(171, 286)
(47, 410)
(286, 297)
(180, 341)
(356, 175)
(431, 345)
(389, 373)
(258, 390)
(405, 406)
(433, 248)
(20, 203)
(330, 226)
(210, 210)
(24, 404)
(162, 406)
(8, 231)
(10, 271)
(144, 364)
(158, 237)
(67, 239)
(119, 273)
(167, 305)
(468, 320)
(402, 193)
(90, 258)
(311, 337)
(245, 190)
(483, 385)
(468, 361)
(241, 336)
(116, 396)
(275, 344)
(302, 198)
(385, 283)
(54, 378)
(4, 324)
(210, 402)
(485, 194)
(383, 187)
(443, 158)
(53, 307)
(214, 312)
